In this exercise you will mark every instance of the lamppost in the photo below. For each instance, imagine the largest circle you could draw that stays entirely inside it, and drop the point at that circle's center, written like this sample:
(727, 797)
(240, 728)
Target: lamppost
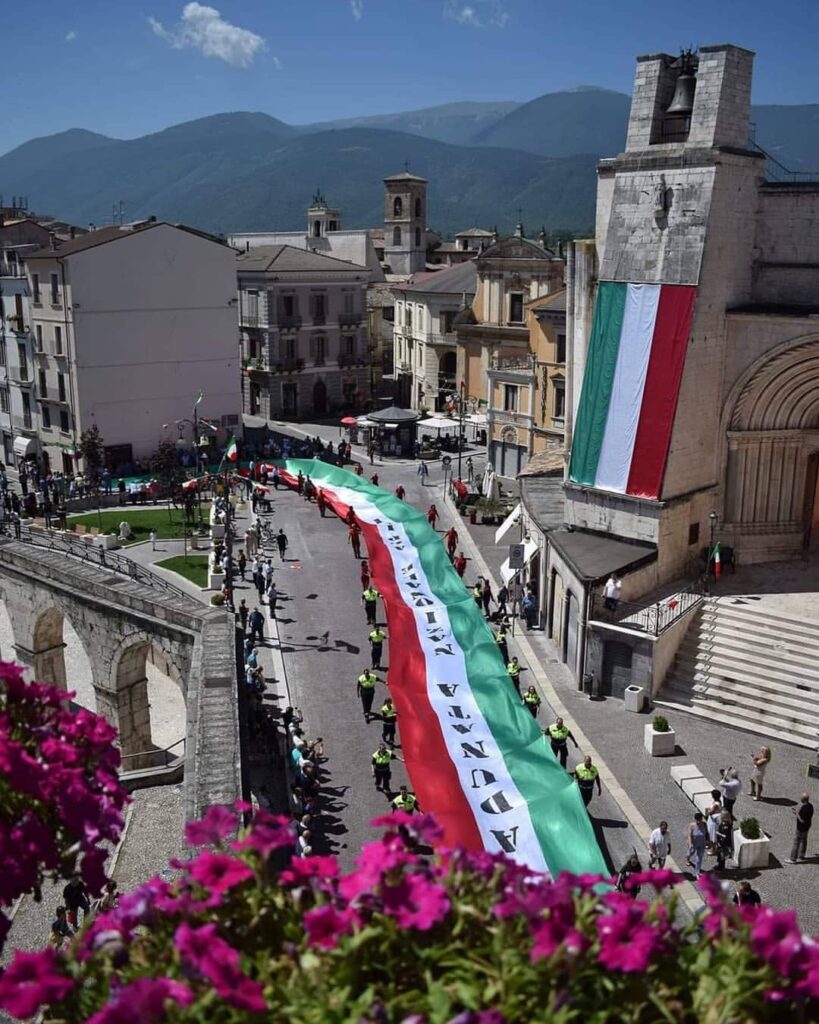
(712, 519)
(461, 390)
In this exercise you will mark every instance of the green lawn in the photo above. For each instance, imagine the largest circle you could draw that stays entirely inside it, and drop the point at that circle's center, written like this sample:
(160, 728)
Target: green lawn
(194, 568)
(141, 521)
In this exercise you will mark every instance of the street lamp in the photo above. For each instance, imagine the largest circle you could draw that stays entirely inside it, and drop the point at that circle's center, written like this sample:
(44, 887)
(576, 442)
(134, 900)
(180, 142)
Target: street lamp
(712, 519)
(460, 427)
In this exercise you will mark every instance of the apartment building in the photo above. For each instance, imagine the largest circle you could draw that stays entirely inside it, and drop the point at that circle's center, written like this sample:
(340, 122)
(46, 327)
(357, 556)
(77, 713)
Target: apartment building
(304, 338)
(128, 325)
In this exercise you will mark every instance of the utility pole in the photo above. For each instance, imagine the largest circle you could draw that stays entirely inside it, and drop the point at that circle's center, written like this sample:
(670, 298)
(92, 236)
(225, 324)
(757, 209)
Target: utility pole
(460, 428)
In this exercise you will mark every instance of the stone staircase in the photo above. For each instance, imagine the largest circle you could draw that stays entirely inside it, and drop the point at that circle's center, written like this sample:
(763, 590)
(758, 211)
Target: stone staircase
(746, 666)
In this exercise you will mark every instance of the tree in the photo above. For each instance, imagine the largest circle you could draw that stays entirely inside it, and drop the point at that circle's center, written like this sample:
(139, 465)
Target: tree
(165, 467)
(92, 449)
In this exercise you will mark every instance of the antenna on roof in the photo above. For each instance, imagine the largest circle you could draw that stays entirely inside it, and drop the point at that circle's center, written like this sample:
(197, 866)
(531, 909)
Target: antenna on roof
(406, 165)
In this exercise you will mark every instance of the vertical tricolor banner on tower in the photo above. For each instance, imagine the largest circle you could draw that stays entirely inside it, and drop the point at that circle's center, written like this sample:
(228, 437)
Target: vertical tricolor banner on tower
(475, 756)
(630, 387)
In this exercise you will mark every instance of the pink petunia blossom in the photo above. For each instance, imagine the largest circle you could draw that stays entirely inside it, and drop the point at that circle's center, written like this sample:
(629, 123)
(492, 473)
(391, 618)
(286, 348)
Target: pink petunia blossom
(422, 825)
(218, 872)
(627, 941)
(775, 936)
(324, 925)
(302, 869)
(416, 902)
(265, 839)
(143, 1002)
(217, 824)
(218, 962)
(33, 980)
(660, 878)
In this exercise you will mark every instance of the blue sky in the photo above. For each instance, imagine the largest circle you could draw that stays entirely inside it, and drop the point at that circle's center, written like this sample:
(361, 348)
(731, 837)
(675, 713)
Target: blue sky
(126, 69)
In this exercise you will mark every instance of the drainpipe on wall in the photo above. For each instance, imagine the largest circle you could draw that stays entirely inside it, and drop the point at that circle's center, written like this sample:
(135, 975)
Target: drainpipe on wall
(568, 424)
(582, 628)
(71, 363)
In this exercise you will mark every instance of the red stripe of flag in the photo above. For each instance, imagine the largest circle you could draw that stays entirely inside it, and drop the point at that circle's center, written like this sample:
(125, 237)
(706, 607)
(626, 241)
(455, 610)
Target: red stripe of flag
(665, 366)
(431, 770)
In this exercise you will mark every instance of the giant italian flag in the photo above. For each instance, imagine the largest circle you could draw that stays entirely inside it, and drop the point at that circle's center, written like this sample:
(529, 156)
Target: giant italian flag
(476, 758)
(630, 387)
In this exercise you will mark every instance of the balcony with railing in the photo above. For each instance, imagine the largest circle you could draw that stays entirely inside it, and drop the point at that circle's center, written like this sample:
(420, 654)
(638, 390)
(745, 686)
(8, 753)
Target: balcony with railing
(288, 322)
(450, 338)
(350, 359)
(12, 269)
(286, 366)
(49, 394)
(350, 319)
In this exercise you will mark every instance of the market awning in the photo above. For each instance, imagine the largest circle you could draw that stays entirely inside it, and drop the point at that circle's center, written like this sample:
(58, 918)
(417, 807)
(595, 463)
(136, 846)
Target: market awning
(529, 552)
(438, 423)
(24, 446)
(507, 524)
(394, 415)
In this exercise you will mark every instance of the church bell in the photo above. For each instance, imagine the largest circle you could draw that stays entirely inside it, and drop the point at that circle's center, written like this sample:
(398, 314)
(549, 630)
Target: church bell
(683, 99)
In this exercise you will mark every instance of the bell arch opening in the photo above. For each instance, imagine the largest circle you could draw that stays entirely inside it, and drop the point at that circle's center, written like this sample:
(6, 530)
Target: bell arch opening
(146, 697)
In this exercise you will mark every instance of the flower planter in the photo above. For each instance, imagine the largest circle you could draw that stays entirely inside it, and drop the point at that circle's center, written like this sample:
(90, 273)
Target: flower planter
(216, 580)
(659, 744)
(107, 541)
(751, 853)
(217, 531)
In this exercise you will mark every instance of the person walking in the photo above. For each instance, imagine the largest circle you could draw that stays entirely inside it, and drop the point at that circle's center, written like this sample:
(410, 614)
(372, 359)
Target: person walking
(559, 735)
(272, 597)
(364, 573)
(374, 479)
(477, 593)
(258, 582)
(659, 846)
(321, 502)
(281, 543)
(804, 820)
(377, 637)
(587, 775)
(451, 538)
(746, 896)
(382, 767)
(531, 701)
(724, 840)
(500, 639)
(761, 760)
(470, 470)
(611, 592)
(486, 597)
(365, 688)
(256, 623)
(529, 608)
(459, 564)
(243, 614)
(697, 840)
(153, 540)
(76, 899)
(369, 597)
(406, 801)
(502, 598)
(730, 786)
(432, 515)
(513, 669)
(712, 816)
(354, 537)
(423, 472)
(60, 932)
(241, 563)
(631, 867)
(389, 717)
(400, 492)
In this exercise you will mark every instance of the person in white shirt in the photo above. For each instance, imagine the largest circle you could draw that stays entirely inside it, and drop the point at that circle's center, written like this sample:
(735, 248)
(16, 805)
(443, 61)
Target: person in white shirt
(611, 592)
(730, 785)
(659, 846)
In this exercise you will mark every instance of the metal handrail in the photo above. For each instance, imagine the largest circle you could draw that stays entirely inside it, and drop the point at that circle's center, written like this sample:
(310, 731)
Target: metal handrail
(95, 555)
(163, 755)
(652, 619)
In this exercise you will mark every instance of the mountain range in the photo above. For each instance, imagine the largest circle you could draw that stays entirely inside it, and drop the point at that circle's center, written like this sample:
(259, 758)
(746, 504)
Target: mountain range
(487, 163)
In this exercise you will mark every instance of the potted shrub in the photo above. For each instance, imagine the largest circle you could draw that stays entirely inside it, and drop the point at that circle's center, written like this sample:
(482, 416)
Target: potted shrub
(752, 847)
(659, 738)
(217, 599)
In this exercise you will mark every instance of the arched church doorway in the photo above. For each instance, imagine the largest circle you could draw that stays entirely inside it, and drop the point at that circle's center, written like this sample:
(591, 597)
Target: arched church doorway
(812, 503)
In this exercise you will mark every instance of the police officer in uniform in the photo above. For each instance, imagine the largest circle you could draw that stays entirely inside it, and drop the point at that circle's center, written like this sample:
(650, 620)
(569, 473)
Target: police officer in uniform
(532, 701)
(388, 717)
(500, 637)
(513, 668)
(559, 734)
(369, 597)
(477, 594)
(377, 638)
(587, 775)
(406, 801)
(365, 688)
(382, 771)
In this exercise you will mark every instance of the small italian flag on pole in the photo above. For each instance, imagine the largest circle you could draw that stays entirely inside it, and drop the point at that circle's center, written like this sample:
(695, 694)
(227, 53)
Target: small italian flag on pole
(716, 560)
(232, 450)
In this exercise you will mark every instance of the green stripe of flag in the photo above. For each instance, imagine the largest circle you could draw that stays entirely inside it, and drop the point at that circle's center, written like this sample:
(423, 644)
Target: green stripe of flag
(601, 361)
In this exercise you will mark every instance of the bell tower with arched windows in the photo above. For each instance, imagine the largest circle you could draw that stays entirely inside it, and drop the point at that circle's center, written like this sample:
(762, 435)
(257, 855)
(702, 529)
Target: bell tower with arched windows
(405, 223)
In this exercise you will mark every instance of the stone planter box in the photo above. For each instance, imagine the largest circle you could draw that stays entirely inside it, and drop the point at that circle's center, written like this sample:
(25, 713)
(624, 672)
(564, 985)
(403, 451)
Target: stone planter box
(241, 506)
(659, 744)
(751, 853)
(216, 580)
(429, 456)
(217, 531)
(107, 541)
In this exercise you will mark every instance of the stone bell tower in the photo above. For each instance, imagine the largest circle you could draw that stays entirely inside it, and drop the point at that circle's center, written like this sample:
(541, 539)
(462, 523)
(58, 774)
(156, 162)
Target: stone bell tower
(405, 223)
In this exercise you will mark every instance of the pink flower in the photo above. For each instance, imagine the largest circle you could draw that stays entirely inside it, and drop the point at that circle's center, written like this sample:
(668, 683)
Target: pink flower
(325, 924)
(627, 942)
(218, 872)
(217, 961)
(31, 981)
(217, 824)
(422, 825)
(660, 878)
(302, 869)
(265, 838)
(416, 902)
(775, 936)
(143, 1001)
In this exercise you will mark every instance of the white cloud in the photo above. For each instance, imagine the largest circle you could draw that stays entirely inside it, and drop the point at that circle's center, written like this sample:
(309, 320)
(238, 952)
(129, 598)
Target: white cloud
(277, 64)
(70, 36)
(204, 29)
(478, 14)
(357, 7)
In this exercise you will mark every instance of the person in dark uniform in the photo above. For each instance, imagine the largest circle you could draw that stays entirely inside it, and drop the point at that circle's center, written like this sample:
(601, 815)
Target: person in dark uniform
(500, 638)
(587, 775)
(382, 770)
(377, 637)
(531, 701)
(369, 597)
(559, 734)
(365, 688)
(513, 668)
